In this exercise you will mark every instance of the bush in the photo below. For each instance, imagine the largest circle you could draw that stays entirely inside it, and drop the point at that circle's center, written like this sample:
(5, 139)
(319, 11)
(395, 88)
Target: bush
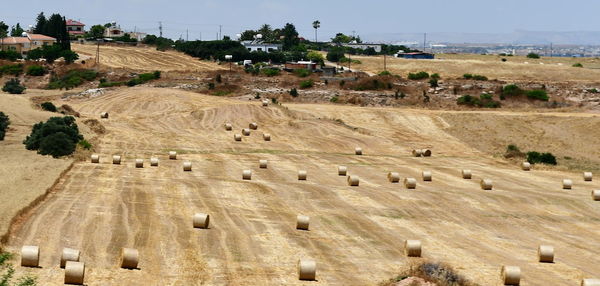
(294, 92)
(10, 55)
(418, 76)
(436, 76)
(4, 122)
(211, 85)
(302, 72)
(7, 272)
(306, 84)
(543, 158)
(335, 54)
(467, 76)
(72, 79)
(143, 78)
(334, 99)
(69, 56)
(111, 84)
(484, 100)
(474, 76)
(433, 82)
(315, 57)
(533, 56)
(270, 72)
(512, 151)
(57, 137)
(48, 106)
(36, 70)
(342, 83)
(537, 95)
(385, 73)
(577, 65)
(15, 70)
(593, 90)
(511, 90)
(219, 79)
(13, 86)
(347, 60)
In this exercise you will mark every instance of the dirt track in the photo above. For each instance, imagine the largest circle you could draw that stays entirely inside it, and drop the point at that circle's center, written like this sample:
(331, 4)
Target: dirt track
(356, 234)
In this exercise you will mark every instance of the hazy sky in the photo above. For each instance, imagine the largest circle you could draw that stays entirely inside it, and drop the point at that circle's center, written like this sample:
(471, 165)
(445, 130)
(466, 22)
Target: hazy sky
(203, 17)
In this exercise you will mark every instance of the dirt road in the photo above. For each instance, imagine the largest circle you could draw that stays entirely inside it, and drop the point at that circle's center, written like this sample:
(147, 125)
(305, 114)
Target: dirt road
(357, 233)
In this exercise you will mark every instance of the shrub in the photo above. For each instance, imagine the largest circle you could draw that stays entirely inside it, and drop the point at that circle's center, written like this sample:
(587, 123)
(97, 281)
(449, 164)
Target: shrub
(334, 99)
(315, 57)
(537, 95)
(302, 72)
(436, 76)
(270, 72)
(36, 70)
(347, 60)
(577, 65)
(15, 70)
(7, 272)
(503, 60)
(143, 78)
(335, 54)
(10, 55)
(72, 79)
(294, 92)
(4, 122)
(533, 56)
(48, 106)
(543, 158)
(218, 78)
(57, 137)
(111, 84)
(13, 86)
(593, 90)
(479, 77)
(384, 73)
(484, 100)
(467, 76)
(512, 151)
(418, 76)
(306, 84)
(157, 74)
(511, 90)
(69, 56)
(211, 85)
(433, 82)
(342, 83)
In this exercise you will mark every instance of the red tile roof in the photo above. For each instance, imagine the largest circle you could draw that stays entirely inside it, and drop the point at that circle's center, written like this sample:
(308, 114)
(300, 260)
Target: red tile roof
(74, 23)
(15, 40)
(39, 37)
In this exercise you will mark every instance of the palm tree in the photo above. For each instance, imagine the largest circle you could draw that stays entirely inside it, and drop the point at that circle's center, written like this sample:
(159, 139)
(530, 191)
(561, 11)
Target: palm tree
(316, 25)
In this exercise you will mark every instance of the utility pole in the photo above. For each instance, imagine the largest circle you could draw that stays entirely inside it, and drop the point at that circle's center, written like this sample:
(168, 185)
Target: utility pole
(98, 52)
(160, 28)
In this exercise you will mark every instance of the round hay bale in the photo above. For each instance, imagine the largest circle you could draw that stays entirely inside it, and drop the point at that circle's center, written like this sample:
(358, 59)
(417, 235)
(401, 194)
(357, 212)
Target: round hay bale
(187, 166)
(342, 170)
(237, 137)
(590, 282)
(417, 152)
(265, 102)
(353, 181)
(358, 151)
(427, 177)
(587, 176)
(253, 126)
(172, 155)
(307, 269)
(104, 115)
(412, 248)
(486, 184)
(511, 275)
(95, 158)
(139, 163)
(74, 272)
(266, 136)
(567, 184)
(302, 222)
(154, 162)
(596, 195)
(116, 159)
(228, 126)
(247, 175)
(302, 175)
(68, 254)
(546, 253)
(262, 164)
(246, 131)
(466, 174)
(426, 152)
(30, 256)
(201, 220)
(393, 177)
(129, 258)
(410, 183)
(526, 166)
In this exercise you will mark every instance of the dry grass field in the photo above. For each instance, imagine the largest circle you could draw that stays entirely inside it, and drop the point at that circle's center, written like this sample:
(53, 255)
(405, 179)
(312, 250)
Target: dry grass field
(517, 68)
(145, 59)
(356, 233)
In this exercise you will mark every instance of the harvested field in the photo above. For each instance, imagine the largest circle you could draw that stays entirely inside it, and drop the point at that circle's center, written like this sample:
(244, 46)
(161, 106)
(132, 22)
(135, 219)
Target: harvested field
(252, 240)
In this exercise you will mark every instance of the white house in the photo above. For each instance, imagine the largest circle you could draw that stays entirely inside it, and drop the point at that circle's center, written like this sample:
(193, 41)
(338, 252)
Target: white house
(260, 46)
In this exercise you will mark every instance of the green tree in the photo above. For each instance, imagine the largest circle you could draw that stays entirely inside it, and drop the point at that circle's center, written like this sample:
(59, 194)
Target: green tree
(4, 122)
(340, 38)
(316, 26)
(290, 36)
(96, 32)
(57, 137)
(13, 86)
(533, 56)
(248, 35)
(3, 31)
(267, 32)
(16, 30)
(40, 25)
(335, 54)
(69, 56)
(315, 57)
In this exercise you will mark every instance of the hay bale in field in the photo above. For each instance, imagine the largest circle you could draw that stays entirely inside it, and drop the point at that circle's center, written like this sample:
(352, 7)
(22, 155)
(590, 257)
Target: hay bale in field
(587, 176)
(417, 152)
(353, 181)
(427, 177)
(262, 164)
(466, 174)
(358, 151)
(74, 272)
(228, 127)
(201, 220)
(302, 175)
(154, 162)
(95, 158)
(104, 115)
(393, 177)
(172, 155)
(246, 131)
(342, 170)
(237, 137)
(30, 256)
(546, 253)
(187, 166)
(412, 248)
(486, 184)
(410, 183)
(253, 126)
(116, 159)
(266, 136)
(590, 282)
(307, 269)
(596, 195)
(68, 254)
(426, 152)
(511, 275)
(247, 175)
(302, 222)
(265, 102)
(139, 163)
(526, 166)
(567, 184)
(129, 258)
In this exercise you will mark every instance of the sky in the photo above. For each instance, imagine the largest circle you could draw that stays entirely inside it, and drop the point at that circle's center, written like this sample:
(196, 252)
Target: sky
(201, 18)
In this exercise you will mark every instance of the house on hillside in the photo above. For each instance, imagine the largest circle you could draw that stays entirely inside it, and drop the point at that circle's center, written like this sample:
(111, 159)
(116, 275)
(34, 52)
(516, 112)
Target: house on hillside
(260, 46)
(139, 36)
(25, 43)
(75, 28)
(113, 31)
